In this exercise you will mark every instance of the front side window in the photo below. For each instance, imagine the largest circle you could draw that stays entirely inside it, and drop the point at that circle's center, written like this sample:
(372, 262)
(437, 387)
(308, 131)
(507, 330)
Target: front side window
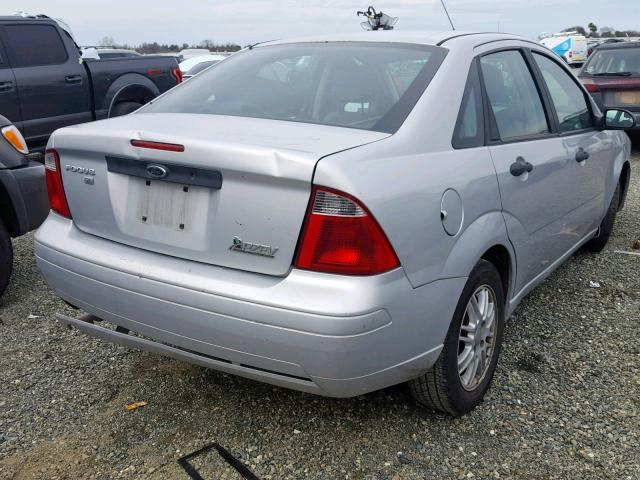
(568, 98)
(513, 96)
(358, 85)
(34, 45)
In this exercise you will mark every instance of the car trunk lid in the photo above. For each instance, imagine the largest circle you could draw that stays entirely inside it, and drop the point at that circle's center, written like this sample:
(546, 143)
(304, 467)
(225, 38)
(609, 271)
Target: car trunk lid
(235, 197)
(621, 92)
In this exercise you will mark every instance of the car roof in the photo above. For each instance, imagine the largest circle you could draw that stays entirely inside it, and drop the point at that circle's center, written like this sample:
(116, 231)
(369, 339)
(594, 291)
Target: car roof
(420, 37)
(20, 18)
(617, 45)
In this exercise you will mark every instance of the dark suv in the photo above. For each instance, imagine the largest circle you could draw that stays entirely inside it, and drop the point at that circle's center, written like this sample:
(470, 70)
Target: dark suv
(612, 76)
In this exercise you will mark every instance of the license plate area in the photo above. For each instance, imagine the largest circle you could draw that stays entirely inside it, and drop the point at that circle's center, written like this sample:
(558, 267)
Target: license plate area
(628, 97)
(165, 204)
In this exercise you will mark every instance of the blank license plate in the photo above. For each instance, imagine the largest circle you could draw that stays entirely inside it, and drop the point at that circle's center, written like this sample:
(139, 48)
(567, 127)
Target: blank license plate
(628, 98)
(164, 204)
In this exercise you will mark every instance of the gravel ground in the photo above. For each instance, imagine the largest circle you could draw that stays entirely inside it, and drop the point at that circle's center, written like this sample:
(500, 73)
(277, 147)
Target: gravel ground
(564, 403)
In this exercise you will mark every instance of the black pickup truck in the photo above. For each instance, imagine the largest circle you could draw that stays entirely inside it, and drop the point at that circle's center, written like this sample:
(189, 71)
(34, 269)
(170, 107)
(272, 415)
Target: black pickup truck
(45, 84)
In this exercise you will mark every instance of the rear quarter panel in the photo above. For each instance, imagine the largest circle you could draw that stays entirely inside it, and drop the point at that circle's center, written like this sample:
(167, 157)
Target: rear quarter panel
(402, 180)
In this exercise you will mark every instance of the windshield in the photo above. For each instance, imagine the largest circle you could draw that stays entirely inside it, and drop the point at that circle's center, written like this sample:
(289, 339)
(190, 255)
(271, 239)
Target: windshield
(370, 86)
(616, 61)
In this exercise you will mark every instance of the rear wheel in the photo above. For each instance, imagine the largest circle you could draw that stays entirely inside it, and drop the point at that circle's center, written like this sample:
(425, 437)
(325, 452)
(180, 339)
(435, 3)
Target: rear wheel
(601, 239)
(462, 374)
(124, 108)
(6, 258)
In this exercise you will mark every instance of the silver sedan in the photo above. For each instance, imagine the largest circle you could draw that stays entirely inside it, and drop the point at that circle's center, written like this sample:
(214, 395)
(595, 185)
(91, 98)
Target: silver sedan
(338, 214)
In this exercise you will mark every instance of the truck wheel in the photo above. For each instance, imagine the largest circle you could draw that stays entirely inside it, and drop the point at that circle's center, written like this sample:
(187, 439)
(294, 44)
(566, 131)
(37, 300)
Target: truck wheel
(601, 239)
(6, 258)
(462, 374)
(124, 108)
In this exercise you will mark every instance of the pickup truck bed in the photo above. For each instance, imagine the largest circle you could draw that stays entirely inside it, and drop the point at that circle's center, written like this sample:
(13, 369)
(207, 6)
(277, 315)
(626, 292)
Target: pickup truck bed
(46, 85)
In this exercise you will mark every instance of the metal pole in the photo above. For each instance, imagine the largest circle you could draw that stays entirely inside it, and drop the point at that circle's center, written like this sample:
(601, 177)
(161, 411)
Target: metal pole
(447, 12)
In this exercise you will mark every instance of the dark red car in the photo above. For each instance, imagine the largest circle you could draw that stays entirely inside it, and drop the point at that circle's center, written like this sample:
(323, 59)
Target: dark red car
(612, 76)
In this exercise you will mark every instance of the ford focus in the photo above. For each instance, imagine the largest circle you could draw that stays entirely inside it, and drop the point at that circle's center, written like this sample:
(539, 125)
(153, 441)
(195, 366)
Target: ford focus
(338, 214)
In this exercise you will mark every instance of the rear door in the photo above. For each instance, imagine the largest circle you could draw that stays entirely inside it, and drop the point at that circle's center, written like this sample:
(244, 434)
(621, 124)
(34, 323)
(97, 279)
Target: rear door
(589, 149)
(9, 105)
(53, 86)
(535, 176)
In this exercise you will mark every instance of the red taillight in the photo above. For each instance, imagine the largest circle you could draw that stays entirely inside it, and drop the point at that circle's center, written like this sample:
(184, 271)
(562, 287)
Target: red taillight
(340, 236)
(177, 74)
(590, 85)
(168, 147)
(55, 189)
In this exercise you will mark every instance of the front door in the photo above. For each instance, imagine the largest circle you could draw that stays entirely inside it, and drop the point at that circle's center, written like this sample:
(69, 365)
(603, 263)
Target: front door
(590, 149)
(9, 106)
(53, 86)
(535, 175)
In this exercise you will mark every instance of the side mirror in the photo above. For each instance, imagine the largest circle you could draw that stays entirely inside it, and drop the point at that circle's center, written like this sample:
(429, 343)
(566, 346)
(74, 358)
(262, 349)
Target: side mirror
(617, 119)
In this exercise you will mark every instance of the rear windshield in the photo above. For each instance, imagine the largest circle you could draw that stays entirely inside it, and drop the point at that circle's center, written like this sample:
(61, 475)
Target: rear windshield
(616, 61)
(370, 86)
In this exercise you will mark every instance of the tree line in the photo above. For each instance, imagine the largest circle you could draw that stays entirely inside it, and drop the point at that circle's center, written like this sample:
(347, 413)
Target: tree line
(592, 31)
(155, 47)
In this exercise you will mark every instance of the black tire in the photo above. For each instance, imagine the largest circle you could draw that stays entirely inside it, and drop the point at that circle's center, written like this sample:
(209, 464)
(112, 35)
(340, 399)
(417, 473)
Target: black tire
(597, 243)
(6, 258)
(124, 108)
(441, 387)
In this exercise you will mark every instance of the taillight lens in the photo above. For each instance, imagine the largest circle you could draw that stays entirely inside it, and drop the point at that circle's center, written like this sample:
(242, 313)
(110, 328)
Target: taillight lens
(590, 85)
(177, 74)
(14, 137)
(340, 236)
(55, 189)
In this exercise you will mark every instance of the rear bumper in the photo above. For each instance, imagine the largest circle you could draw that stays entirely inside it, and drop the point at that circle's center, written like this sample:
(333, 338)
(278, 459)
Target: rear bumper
(330, 335)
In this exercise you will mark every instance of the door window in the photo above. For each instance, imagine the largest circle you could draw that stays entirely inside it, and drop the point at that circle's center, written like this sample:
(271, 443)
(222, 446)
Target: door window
(34, 45)
(569, 100)
(513, 96)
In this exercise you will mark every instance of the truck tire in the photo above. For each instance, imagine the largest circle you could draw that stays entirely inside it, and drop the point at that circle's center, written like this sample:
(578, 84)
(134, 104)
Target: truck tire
(124, 108)
(457, 382)
(6, 258)
(597, 243)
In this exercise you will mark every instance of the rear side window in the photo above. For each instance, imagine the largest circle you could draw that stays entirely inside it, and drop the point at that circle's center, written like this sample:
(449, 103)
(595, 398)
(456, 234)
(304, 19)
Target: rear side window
(568, 99)
(34, 45)
(514, 99)
(469, 131)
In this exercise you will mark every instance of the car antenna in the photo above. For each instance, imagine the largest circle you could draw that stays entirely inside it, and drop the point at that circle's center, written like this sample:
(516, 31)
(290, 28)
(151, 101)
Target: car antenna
(448, 16)
(377, 20)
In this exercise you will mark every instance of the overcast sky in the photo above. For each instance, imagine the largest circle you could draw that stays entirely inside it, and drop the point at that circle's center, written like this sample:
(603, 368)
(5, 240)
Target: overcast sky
(248, 21)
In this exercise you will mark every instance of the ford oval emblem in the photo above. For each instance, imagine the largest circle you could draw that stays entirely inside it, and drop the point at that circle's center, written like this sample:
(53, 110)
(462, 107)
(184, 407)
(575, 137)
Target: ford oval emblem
(157, 171)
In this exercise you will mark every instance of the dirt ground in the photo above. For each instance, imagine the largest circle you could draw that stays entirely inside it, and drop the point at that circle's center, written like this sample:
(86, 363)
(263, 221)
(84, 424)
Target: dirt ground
(564, 402)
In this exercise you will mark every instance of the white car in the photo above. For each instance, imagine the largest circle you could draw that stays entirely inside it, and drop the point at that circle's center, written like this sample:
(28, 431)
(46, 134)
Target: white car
(192, 52)
(194, 65)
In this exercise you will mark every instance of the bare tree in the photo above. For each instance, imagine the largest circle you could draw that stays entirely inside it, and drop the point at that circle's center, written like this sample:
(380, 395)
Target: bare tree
(107, 41)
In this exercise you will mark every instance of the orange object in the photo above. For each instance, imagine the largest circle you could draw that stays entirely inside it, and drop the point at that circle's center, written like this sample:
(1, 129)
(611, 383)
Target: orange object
(14, 137)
